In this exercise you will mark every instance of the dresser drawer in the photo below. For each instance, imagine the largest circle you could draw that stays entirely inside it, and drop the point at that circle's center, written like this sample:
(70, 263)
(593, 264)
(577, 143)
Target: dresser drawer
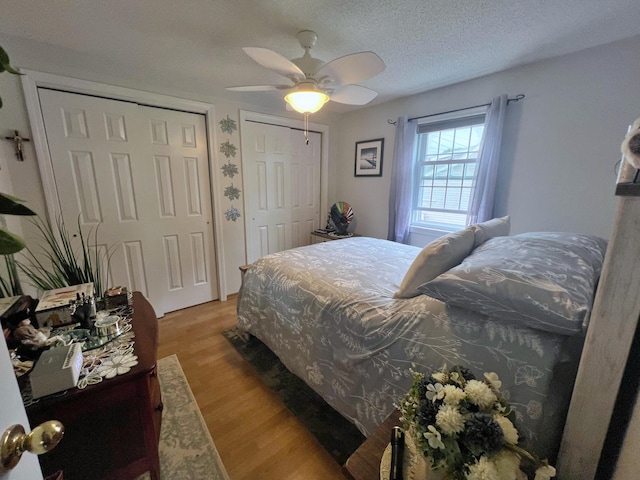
(155, 396)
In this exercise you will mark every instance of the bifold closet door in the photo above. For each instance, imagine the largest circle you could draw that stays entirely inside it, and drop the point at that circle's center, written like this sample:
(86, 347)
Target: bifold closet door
(141, 176)
(282, 187)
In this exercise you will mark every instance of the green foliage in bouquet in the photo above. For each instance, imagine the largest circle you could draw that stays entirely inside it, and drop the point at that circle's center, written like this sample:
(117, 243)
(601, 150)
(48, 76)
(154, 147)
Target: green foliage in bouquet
(461, 426)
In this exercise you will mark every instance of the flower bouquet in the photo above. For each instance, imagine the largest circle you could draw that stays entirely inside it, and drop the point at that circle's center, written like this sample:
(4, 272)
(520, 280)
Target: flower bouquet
(461, 427)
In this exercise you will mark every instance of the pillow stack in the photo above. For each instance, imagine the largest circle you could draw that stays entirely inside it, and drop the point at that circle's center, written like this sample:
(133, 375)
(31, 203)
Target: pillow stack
(496, 227)
(544, 280)
(446, 252)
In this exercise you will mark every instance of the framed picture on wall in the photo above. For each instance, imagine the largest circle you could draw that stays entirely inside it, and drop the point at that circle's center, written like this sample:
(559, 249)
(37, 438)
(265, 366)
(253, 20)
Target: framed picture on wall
(368, 161)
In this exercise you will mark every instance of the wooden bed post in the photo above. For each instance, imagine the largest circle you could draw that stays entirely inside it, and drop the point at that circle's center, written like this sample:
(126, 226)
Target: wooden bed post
(608, 340)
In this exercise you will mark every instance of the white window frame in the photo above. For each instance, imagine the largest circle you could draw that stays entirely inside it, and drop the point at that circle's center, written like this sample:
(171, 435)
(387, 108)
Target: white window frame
(431, 228)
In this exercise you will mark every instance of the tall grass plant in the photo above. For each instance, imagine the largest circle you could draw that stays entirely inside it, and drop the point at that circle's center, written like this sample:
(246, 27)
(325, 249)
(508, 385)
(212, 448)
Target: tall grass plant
(64, 258)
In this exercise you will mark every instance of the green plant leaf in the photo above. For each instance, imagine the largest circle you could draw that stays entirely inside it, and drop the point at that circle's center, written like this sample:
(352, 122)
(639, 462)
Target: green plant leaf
(5, 63)
(10, 205)
(68, 258)
(4, 58)
(10, 287)
(9, 242)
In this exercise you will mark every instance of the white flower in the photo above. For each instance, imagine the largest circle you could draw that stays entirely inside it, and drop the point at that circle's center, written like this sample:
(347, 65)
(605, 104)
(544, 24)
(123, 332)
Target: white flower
(440, 377)
(456, 399)
(507, 464)
(117, 365)
(480, 393)
(457, 378)
(483, 469)
(494, 381)
(452, 394)
(433, 437)
(89, 379)
(510, 432)
(545, 472)
(450, 420)
(434, 392)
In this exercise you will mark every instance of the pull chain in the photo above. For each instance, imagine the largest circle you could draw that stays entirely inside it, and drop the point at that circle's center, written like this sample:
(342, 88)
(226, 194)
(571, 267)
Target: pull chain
(306, 129)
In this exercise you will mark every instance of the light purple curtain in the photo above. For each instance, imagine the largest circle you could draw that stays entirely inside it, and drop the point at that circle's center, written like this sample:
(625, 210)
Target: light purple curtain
(401, 182)
(484, 183)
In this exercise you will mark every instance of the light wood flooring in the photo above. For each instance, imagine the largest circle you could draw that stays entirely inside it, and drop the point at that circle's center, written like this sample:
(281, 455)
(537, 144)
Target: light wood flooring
(256, 435)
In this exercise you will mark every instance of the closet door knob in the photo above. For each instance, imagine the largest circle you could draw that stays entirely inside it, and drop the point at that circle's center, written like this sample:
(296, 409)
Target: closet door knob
(40, 440)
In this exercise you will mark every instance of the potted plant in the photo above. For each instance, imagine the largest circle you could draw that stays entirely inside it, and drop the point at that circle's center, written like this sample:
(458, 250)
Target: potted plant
(69, 258)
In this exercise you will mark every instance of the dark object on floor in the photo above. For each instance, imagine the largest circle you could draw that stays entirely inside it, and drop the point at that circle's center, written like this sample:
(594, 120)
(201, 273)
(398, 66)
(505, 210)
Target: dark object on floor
(335, 433)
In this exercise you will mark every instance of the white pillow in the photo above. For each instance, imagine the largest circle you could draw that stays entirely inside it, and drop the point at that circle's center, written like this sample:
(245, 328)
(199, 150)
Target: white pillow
(496, 227)
(436, 258)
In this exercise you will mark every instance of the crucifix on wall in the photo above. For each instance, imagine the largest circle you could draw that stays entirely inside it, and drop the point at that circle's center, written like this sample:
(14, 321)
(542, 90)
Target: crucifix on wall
(19, 144)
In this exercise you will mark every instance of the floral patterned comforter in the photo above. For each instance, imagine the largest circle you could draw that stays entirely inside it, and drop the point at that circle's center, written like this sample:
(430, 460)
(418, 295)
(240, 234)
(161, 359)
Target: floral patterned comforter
(328, 312)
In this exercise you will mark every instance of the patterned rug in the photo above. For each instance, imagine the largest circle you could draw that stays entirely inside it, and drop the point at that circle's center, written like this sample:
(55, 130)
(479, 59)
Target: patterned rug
(336, 434)
(186, 448)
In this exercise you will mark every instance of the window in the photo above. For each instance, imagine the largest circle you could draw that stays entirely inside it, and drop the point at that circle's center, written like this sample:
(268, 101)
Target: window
(446, 154)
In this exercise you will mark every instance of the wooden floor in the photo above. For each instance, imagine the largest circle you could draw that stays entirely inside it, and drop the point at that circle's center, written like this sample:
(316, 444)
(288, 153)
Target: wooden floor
(256, 436)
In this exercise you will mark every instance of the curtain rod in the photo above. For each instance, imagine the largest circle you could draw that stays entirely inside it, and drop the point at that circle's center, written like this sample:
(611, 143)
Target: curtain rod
(509, 100)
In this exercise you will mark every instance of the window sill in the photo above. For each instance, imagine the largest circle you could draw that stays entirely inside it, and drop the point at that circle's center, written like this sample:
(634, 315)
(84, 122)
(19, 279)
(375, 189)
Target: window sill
(439, 231)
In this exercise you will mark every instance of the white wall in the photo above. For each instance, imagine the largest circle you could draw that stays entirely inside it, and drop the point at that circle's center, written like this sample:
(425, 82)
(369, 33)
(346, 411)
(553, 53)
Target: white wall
(25, 176)
(561, 141)
(560, 145)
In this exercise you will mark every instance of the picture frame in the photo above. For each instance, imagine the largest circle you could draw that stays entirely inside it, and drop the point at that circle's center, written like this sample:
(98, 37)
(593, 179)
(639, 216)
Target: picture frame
(368, 161)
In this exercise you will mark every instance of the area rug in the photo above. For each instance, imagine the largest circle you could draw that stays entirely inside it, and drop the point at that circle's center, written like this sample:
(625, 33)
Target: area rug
(186, 448)
(335, 433)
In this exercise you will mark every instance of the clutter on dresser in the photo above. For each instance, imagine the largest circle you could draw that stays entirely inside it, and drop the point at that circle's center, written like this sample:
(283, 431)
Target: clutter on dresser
(116, 297)
(57, 369)
(56, 307)
(110, 326)
(32, 337)
(61, 318)
(13, 310)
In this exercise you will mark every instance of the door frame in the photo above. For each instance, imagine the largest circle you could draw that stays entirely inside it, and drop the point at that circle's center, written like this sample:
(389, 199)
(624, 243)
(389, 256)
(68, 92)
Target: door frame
(248, 116)
(32, 80)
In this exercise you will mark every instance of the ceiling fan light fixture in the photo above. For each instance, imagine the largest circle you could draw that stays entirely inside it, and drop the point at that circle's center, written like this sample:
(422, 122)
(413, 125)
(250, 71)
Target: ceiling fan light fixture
(306, 98)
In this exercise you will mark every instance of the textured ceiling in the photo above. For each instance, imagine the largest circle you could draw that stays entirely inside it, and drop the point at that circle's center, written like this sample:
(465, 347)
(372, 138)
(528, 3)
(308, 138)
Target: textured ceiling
(195, 45)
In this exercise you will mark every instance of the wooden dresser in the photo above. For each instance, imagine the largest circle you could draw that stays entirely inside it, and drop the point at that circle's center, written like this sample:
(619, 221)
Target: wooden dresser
(111, 428)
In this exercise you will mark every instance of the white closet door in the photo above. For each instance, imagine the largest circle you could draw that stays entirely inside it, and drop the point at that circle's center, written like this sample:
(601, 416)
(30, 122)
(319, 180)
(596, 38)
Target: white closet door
(142, 175)
(305, 186)
(282, 187)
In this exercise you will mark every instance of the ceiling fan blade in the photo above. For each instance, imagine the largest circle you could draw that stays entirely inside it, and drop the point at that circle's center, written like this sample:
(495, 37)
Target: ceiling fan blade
(354, 68)
(276, 62)
(258, 88)
(353, 95)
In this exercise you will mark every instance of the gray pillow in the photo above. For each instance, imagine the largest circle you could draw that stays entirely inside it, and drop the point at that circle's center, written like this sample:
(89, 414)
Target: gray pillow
(496, 227)
(436, 258)
(544, 280)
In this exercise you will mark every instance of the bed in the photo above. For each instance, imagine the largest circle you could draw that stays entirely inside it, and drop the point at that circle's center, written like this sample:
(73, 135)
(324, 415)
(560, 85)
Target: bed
(352, 317)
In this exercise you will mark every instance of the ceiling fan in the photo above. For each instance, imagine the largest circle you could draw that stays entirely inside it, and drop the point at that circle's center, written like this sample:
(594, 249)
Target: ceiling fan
(313, 82)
